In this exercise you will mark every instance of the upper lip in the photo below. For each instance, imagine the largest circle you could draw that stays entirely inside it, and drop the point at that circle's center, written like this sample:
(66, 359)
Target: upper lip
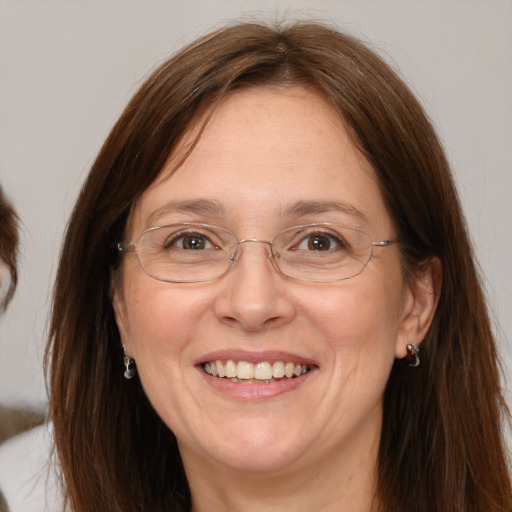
(254, 356)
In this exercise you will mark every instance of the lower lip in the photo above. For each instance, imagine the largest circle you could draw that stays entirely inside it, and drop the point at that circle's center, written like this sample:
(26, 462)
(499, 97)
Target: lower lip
(255, 391)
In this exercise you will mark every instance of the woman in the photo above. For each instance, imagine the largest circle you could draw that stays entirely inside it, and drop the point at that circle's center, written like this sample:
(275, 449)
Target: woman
(8, 279)
(267, 238)
(8, 251)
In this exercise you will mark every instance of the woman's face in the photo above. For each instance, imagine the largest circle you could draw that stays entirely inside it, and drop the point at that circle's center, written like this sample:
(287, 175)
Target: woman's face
(267, 160)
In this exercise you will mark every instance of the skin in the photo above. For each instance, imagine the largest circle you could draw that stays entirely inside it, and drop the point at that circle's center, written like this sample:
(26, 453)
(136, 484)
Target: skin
(263, 150)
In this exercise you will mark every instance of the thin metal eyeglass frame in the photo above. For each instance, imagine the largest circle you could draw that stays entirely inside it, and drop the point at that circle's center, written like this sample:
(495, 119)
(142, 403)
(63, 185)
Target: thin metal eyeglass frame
(125, 247)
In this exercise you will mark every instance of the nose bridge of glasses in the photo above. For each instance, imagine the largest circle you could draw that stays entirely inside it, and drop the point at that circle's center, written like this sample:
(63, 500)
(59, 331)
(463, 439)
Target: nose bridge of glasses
(269, 243)
(260, 240)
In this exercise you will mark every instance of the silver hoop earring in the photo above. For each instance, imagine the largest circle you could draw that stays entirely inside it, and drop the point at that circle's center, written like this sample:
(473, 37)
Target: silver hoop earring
(412, 358)
(129, 365)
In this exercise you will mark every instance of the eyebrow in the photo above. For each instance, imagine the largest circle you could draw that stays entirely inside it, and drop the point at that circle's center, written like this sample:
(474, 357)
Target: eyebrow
(305, 208)
(201, 207)
(213, 208)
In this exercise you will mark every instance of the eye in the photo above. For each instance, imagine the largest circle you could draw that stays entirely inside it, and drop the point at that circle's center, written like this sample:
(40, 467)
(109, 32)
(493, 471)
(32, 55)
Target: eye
(321, 242)
(189, 241)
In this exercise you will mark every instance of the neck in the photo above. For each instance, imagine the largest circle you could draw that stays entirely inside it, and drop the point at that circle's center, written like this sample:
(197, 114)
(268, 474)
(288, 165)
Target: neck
(343, 481)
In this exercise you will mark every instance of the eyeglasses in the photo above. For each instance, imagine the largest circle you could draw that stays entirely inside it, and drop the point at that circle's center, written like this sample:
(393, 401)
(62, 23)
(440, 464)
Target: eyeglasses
(189, 253)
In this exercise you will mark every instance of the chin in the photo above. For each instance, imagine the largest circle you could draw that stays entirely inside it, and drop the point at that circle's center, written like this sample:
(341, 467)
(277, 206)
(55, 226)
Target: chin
(259, 448)
(255, 459)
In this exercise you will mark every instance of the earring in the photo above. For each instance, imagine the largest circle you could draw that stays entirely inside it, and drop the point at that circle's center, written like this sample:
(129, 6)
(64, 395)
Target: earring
(412, 359)
(129, 365)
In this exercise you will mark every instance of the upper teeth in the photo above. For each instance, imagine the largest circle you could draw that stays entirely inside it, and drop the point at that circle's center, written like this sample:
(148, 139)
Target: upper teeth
(260, 371)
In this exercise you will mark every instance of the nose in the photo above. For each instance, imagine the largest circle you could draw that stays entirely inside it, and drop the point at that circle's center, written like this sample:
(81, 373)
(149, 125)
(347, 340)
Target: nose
(255, 296)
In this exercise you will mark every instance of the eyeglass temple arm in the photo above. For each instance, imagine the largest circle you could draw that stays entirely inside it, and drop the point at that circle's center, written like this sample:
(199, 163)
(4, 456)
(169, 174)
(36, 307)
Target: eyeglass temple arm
(126, 247)
(383, 243)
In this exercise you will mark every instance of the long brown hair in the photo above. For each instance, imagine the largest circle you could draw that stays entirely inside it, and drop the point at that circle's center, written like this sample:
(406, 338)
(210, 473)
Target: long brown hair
(442, 446)
(9, 240)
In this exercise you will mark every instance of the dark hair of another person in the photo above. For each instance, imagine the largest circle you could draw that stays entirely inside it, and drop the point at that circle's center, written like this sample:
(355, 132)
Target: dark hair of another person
(442, 446)
(9, 239)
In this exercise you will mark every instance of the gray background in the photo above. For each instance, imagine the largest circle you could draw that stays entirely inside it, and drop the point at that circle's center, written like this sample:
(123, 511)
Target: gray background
(67, 68)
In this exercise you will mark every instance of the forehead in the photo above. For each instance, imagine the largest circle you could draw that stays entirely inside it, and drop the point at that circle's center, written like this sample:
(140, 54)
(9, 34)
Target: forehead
(263, 152)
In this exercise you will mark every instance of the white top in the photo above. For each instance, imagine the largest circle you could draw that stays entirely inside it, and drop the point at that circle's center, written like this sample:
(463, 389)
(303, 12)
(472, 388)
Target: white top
(27, 481)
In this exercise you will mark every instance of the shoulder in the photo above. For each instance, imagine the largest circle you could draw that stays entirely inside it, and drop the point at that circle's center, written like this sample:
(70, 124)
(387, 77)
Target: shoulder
(27, 477)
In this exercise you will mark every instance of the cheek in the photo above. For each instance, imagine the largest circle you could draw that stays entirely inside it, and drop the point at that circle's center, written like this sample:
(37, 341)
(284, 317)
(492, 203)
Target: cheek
(360, 325)
(358, 315)
(360, 329)
(160, 321)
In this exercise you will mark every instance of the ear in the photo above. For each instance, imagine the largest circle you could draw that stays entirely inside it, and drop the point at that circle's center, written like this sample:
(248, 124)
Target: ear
(420, 298)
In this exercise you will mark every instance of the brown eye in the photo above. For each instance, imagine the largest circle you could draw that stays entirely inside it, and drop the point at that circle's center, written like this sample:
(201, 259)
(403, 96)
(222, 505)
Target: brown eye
(188, 242)
(322, 242)
(318, 243)
(193, 242)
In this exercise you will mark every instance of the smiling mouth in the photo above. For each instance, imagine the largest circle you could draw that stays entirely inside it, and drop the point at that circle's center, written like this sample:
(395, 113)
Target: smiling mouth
(242, 372)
